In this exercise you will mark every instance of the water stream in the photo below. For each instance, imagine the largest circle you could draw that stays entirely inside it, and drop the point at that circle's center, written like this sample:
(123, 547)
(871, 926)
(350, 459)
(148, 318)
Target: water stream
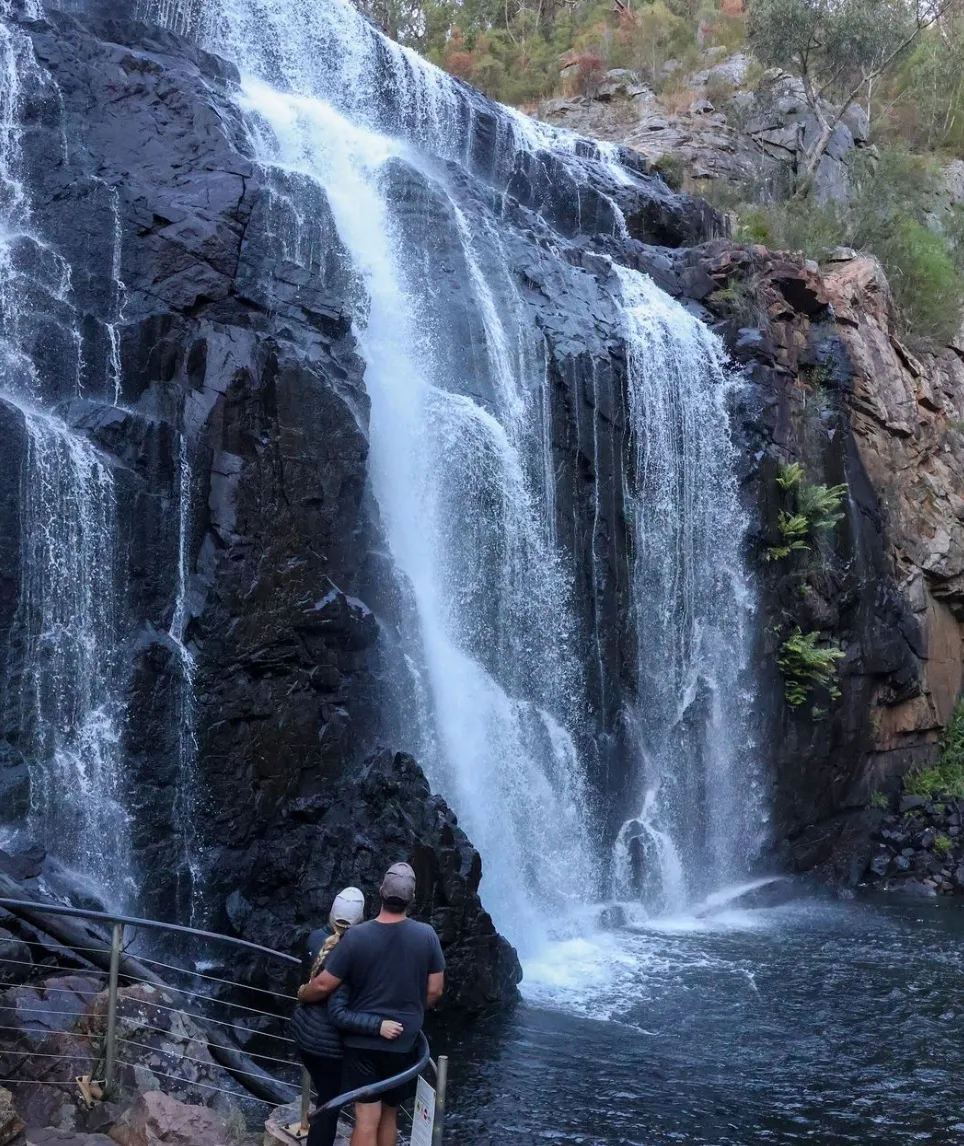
(61, 697)
(702, 811)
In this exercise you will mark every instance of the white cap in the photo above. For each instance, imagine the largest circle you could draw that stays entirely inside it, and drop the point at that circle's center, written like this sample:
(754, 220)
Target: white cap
(348, 908)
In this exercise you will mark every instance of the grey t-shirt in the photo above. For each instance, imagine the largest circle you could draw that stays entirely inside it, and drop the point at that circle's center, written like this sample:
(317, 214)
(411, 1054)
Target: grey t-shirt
(386, 967)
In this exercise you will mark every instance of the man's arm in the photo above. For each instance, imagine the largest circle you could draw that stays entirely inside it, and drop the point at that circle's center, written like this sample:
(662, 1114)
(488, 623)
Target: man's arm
(360, 1022)
(320, 987)
(436, 985)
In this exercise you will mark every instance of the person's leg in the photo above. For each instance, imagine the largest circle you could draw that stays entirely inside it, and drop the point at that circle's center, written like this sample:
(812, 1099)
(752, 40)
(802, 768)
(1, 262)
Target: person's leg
(367, 1121)
(388, 1126)
(326, 1080)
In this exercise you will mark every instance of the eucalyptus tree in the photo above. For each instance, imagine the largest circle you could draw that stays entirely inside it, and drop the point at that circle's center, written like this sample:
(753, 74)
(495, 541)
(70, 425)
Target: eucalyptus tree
(838, 49)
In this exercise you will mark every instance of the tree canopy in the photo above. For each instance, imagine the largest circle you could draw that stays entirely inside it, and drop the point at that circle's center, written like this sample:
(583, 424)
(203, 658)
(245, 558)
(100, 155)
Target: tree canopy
(838, 48)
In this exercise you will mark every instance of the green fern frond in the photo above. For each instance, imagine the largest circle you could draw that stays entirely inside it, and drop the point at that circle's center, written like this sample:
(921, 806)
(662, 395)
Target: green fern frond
(790, 475)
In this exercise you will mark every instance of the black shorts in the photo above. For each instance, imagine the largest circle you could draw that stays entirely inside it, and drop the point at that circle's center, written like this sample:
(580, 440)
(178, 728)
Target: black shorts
(362, 1067)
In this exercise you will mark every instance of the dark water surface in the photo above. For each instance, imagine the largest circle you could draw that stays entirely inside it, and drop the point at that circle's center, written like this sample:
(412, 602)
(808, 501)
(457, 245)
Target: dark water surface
(817, 1022)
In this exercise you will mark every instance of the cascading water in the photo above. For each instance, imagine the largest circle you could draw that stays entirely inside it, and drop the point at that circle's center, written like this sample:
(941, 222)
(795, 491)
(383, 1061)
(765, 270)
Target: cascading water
(701, 817)
(463, 471)
(189, 873)
(61, 701)
(68, 712)
(466, 527)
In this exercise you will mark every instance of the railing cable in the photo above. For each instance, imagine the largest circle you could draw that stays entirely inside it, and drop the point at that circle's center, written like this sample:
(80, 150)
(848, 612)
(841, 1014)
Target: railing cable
(203, 1085)
(206, 1062)
(216, 979)
(195, 1015)
(200, 995)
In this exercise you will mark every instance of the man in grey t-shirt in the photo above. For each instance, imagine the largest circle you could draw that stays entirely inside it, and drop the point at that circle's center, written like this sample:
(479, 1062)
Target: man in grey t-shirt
(394, 968)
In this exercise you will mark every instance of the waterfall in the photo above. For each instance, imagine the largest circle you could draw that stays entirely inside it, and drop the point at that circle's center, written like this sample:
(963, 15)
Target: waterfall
(699, 824)
(189, 873)
(60, 698)
(463, 472)
(465, 521)
(69, 720)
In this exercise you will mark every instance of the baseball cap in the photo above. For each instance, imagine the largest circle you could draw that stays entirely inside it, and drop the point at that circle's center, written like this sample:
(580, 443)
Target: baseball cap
(348, 908)
(399, 883)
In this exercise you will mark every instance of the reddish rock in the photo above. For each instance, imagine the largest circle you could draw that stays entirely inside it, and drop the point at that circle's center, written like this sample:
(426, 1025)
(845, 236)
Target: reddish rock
(158, 1118)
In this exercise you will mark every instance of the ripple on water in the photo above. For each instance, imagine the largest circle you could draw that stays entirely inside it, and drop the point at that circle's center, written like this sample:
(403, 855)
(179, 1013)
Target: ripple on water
(813, 1021)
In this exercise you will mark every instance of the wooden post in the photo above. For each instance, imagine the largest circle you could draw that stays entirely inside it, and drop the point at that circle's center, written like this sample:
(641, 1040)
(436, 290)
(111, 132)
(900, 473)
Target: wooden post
(305, 1099)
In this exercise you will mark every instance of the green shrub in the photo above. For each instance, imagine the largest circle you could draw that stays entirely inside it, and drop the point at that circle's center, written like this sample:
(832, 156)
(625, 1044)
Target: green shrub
(879, 800)
(924, 105)
(794, 225)
(946, 777)
(807, 665)
(820, 504)
(670, 167)
(926, 284)
(887, 215)
(794, 532)
(942, 846)
(791, 475)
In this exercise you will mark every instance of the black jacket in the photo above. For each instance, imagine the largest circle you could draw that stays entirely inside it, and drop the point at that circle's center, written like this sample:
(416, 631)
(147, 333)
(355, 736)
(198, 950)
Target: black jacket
(312, 1027)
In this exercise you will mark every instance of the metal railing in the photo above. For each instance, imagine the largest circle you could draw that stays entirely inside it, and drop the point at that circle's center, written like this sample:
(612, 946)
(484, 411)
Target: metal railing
(113, 958)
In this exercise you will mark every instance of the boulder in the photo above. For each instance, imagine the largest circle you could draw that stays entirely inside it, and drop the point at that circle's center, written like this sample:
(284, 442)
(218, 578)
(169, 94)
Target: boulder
(15, 959)
(10, 1121)
(158, 1119)
(321, 849)
(621, 83)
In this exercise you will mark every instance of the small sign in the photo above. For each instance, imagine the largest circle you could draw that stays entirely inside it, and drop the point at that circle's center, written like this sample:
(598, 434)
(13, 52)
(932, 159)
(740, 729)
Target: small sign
(423, 1119)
